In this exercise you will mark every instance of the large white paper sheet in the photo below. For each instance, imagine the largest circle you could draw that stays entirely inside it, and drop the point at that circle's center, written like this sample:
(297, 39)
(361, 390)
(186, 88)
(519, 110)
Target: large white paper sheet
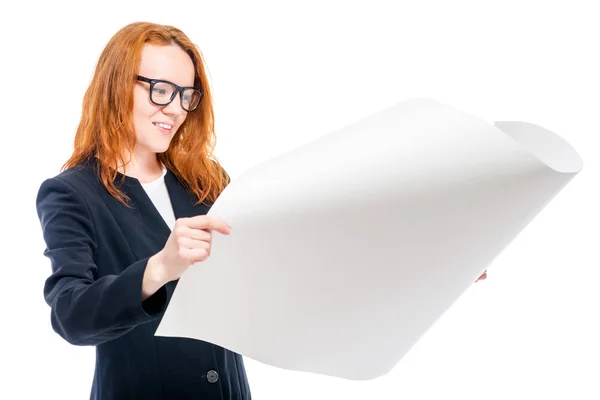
(345, 251)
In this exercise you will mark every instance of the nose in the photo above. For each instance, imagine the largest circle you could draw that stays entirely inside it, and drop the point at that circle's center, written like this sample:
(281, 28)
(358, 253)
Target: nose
(174, 107)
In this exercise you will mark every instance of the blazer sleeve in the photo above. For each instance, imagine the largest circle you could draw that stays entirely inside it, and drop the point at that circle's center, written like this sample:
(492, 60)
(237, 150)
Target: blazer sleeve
(87, 309)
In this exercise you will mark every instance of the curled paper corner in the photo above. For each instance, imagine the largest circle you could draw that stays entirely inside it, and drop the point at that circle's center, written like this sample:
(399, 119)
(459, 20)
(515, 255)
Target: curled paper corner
(544, 144)
(345, 251)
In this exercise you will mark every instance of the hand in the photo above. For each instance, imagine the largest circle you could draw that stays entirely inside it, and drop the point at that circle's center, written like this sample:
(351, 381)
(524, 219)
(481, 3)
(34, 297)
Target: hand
(482, 277)
(188, 243)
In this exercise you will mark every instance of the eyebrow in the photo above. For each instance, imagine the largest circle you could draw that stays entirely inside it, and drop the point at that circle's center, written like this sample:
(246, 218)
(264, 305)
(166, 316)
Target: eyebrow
(150, 77)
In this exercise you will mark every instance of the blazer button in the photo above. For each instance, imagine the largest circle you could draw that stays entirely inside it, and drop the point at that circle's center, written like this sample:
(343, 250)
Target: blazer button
(212, 376)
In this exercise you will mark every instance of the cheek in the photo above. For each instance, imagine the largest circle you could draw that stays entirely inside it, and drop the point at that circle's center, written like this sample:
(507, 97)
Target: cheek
(143, 110)
(182, 119)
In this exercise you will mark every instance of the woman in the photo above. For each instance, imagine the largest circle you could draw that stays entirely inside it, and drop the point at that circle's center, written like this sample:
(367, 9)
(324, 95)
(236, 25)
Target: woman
(127, 217)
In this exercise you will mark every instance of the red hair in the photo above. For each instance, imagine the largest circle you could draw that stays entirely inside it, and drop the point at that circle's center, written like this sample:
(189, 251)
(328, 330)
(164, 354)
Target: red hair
(106, 126)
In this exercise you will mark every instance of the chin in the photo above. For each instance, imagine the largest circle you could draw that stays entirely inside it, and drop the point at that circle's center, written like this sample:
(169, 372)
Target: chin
(157, 146)
(153, 143)
(160, 149)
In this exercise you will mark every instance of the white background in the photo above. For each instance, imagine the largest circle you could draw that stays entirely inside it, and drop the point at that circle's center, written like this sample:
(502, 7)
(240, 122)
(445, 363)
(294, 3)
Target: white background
(284, 73)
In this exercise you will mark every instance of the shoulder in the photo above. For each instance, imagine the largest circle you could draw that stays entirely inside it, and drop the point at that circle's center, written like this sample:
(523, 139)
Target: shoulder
(78, 182)
(64, 204)
(80, 176)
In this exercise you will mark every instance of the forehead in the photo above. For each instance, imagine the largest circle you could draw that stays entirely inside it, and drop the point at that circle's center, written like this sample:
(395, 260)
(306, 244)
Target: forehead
(170, 63)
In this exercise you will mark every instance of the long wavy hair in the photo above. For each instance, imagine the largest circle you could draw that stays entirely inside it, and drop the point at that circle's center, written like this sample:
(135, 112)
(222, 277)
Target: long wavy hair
(106, 128)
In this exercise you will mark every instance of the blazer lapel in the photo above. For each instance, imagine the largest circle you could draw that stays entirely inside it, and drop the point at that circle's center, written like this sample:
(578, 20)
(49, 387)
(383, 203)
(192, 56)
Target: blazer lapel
(144, 222)
(149, 217)
(182, 200)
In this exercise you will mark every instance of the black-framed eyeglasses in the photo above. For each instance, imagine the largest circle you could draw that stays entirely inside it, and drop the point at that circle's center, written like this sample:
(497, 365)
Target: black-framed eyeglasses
(163, 92)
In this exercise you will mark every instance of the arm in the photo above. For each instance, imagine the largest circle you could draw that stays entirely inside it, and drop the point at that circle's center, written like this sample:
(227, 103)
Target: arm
(85, 309)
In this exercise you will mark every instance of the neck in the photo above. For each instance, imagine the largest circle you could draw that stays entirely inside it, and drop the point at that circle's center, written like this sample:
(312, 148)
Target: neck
(144, 167)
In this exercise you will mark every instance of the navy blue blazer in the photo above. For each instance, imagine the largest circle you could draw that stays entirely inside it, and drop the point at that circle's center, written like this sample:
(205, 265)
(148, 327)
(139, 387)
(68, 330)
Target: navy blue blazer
(98, 250)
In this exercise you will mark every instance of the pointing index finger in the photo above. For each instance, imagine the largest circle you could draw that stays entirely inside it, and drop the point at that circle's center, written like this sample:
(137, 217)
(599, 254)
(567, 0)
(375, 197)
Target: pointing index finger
(209, 222)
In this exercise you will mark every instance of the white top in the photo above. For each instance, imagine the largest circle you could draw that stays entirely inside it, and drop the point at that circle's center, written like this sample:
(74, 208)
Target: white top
(157, 191)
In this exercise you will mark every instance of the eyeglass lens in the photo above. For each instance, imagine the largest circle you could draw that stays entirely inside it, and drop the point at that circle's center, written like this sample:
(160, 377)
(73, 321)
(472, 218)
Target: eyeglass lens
(162, 93)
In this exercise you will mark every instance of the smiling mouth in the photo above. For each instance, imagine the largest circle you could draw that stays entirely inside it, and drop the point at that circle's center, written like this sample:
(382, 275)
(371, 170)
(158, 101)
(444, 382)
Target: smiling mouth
(164, 128)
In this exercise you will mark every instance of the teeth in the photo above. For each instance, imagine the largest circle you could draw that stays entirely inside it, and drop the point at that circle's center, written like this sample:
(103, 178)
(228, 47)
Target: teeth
(161, 125)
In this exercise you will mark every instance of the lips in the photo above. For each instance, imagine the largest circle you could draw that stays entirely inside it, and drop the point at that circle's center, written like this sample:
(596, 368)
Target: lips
(164, 127)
